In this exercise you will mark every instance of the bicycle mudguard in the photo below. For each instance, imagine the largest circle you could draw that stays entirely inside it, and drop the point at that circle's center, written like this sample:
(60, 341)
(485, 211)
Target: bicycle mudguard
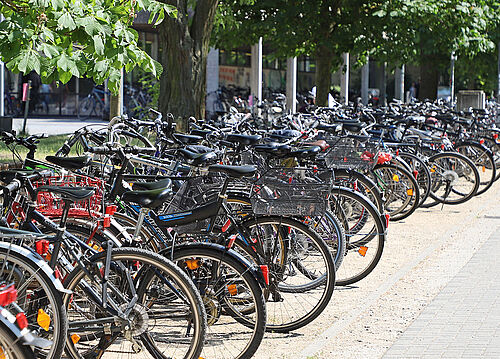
(223, 251)
(38, 260)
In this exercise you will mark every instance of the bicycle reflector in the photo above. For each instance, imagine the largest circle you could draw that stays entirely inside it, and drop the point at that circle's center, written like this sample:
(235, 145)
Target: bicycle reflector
(43, 319)
(387, 218)
(192, 263)
(232, 289)
(265, 272)
(21, 320)
(42, 247)
(362, 251)
(111, 209)
(8, 295)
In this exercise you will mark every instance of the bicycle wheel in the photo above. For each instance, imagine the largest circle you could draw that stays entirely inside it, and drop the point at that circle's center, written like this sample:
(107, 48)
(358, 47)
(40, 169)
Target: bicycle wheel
(37, 295)
(455, 178)
(494, 147)
(11, 347)
(365, 234)
(421, 173)
(327, 226)
(233, 298)
(301, 269)
(400, 189)
(126, 325)
(86, 108)
(359, 182)
(484, 161)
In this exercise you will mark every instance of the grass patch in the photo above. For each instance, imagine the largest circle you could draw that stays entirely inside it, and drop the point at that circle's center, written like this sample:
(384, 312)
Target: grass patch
(47, 146)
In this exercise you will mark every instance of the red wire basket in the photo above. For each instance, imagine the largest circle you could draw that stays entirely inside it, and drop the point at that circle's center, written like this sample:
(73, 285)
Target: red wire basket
(51, 205)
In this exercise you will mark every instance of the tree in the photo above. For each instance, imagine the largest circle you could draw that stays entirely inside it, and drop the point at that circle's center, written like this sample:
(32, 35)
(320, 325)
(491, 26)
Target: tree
(320, 28)
(64, 38)
(426, 32)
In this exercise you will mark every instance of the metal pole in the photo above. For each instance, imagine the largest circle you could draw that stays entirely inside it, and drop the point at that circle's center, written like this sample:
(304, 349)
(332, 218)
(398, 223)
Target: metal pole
(498, 94)
(452, 78)
(2, 83)
(344, 80)
(121, 102)
(400, 83)
(365, 79)
(27, 106)
(77, 100)
(256, 73)
(291, 84)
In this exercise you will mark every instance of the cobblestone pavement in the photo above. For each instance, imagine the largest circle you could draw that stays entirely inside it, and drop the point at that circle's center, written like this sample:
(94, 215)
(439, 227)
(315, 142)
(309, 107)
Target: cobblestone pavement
(463, 321)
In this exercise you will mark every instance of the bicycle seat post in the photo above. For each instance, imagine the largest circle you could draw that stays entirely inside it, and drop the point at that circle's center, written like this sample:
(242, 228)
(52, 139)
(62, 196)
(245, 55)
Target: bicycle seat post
(60, 232)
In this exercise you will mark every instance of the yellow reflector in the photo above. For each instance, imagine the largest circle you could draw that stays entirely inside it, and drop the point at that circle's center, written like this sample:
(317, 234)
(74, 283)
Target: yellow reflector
(362, 251)
(395, 178)
(409, 192)
(484, 168)
(433, 169)
(43, 319)
(231, 288)
(2, 354)
(75, 338)
(192, 263)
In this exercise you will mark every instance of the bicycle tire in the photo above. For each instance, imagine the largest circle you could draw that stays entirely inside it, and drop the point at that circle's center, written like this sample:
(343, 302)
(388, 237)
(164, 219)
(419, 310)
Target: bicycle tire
(10, 345)
(484, 161)
(421, 172)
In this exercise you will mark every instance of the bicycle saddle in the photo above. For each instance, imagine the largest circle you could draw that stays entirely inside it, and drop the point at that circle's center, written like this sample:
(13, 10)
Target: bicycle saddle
(273, 148)
(197, 159)
(234, 171)
(243, 139)
(68, 193)
(148, 199)
(148, 186)
(199, 149)
(70, 163)
(305, 152)
(321, 143)
(201, 133)
(187, 139)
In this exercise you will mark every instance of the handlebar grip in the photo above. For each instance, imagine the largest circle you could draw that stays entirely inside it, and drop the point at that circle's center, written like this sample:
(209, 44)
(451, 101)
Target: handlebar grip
(99, 150)
(13, 186)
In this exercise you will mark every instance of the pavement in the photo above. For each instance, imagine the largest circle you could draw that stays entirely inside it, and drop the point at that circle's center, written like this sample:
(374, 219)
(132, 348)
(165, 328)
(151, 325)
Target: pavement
(52, 126)
(463, 320)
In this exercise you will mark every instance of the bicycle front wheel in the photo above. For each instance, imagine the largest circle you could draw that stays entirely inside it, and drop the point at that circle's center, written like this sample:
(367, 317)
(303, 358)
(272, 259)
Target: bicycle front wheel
(106, 318)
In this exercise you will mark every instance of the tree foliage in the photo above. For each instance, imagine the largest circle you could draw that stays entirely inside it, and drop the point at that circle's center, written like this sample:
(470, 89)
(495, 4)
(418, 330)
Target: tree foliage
(64, 38)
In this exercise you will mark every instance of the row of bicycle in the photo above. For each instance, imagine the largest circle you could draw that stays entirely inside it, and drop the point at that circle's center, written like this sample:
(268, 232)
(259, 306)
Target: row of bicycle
(138, 240)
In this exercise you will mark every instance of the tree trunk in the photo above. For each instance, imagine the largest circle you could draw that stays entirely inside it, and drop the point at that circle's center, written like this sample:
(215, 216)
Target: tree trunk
(324, 60)
(184, 58)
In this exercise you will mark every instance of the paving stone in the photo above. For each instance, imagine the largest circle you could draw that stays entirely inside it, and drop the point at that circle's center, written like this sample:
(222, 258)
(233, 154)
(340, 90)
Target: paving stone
(463, 321)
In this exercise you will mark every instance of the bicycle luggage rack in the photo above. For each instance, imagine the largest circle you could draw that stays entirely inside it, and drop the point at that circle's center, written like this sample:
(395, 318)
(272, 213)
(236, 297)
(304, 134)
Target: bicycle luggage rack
(350, 153)
(290, 192)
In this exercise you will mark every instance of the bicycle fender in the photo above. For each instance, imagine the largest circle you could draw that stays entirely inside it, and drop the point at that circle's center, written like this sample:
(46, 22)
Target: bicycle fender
(39, 261)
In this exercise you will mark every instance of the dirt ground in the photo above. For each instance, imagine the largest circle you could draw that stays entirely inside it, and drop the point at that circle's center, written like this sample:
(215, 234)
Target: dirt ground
(421, 255)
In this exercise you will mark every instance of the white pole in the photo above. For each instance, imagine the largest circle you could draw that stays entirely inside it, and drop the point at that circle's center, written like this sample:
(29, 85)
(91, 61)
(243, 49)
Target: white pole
(400, 83)
(498, 94)
(452, 78)
(256, 72)
(2, 83)
(120, 94)
(291, 84)
(212, 70)
(344, 80)
(365, 80)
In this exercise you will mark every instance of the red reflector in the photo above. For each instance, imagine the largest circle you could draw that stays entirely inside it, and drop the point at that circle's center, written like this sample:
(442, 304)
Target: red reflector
(106, 221)
(481, 141)
(415, 174)
(495, 136)
(42, 247)
(111, 209)
(21, 320)
(265, 273)
(8, 296)
(387, 218)
(226, 225)
(231, 241)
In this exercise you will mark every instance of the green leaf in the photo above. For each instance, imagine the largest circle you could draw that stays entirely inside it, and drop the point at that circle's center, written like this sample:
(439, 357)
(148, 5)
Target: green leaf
(65, 76)
(49, 50)
(98, 44)
(57, 4)
(66, 21)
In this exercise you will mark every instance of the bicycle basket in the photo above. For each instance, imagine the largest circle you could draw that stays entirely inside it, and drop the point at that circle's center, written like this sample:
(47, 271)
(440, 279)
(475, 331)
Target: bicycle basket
(289, 192)
(51, 205)
(349, 153)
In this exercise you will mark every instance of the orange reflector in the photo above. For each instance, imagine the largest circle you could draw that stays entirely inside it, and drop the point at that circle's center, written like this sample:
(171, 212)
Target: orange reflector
(395, 178)
(484, 168)
(231, 288)
(433, 169)
(409, 192)
(192, 263)
(75, 338)
(2, 354)
(43, 319)
(362, 251)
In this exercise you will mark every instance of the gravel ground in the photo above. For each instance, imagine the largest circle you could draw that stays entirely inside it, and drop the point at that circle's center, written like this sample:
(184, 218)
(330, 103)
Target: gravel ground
(421, 255)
